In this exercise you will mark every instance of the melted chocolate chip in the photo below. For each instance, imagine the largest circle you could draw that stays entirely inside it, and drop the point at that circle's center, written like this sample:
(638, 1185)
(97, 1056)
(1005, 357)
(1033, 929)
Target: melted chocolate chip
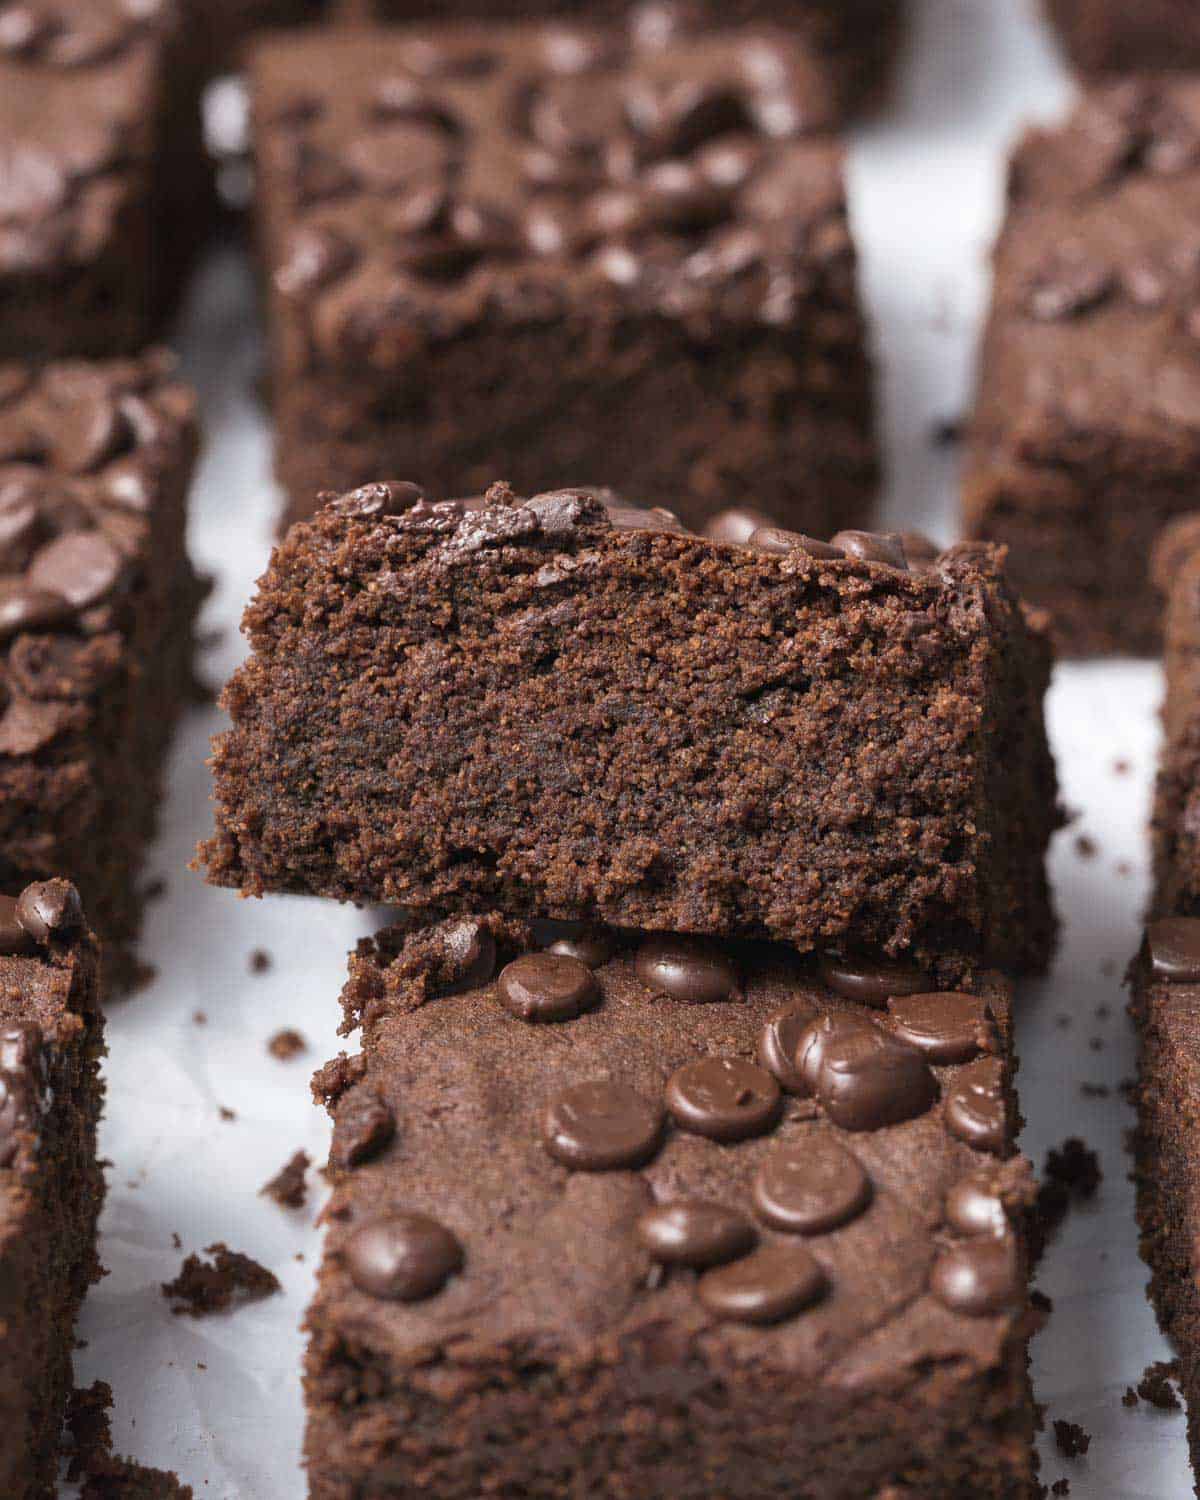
(872, 546)
(975, 1106)
(23, 607)
(13, 937)
(21, 1085)
(774, 1283)
(695, 1234)
(403, 1258)
(979, 1278)
(547, 987)
(870, 981)
(49, 908)
(777, 1043)
(83, 567)
(863, 1078)
(389, 498)
(974, 1206)
(736, 525)
(687, 969)
(779, 543)
(947, 1027)
(1174, 948)
(363, 1127)
(810, 1186)
(1067, 286)
(724, 1098)
(592, 946)
(601, 1126)
(471, 952)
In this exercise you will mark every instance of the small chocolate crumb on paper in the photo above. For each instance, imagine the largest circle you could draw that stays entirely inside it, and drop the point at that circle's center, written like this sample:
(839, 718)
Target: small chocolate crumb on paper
(106, 1476)
(1086, 846)
(232, 1278)
(260, 961)
(287, 1044)
(1072, 1440)
(1155, 1385)
(287, 1187)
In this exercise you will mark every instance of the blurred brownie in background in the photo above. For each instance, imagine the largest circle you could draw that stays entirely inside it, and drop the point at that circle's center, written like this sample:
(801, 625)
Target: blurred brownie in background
(1121, 36)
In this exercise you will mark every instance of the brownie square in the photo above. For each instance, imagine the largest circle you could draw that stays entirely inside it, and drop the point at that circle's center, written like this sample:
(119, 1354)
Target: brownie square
(552, 706)
(96, 608)
(1086, 436)
(657, 1217)
(51, 1184)
(1113, 36)
(536, 251)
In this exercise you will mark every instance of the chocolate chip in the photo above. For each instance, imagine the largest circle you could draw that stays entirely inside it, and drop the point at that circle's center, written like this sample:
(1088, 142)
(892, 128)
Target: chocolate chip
(547, 987)
(979, 1278)
(870, 981)
(601, 1126)
(974, 1206)
(976, 1110)
(724, 1098)
(364, 1125)
(688, 969)
(777, 542)
(49, 908)
(315, 257)
(695, 1234)
(1174, 948)
(777, 1043)
(403, 1258)
(810, 1186)
(1065, 287)
(736, 525)
(13, 937)
(21, 1085)
(85, 433)
(872, 546)
(592, 946)
(862, 1077)
(388, 498)
(82, 566)
(471, 954)
(947, 1027)
(23, 607)
(774, 1283)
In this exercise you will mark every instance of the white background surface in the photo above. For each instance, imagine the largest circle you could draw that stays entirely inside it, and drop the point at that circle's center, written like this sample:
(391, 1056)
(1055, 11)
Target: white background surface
(926, 184)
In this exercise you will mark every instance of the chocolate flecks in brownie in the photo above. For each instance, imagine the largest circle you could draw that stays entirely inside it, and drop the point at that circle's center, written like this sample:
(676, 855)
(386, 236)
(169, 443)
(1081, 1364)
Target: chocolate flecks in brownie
(287, 1044)
(287, 1187)
(232, 1278)
(1086, 846)
(260, 961)
(1156, 1385)
(1071, 1439)
(106, 1476)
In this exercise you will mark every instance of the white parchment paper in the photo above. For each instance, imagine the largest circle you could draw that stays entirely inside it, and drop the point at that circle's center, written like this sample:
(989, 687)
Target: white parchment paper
(219, 1399)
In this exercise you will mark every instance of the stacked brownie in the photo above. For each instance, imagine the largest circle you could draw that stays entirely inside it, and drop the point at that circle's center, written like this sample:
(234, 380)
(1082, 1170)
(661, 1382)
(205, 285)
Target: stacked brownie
(544, 250)
(51, 1185)
(102, 183)
(1086, 436)
(97, 601)
(618, 1209)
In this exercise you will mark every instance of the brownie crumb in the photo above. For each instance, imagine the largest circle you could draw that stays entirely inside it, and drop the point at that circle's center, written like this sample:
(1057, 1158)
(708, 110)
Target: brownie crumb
(287, 1044)
(1072, 1440)
(1061, 1487)
(105, 1475)
(1072, 1172)
(1155, 1385)
(200, 1289)
(1039, 1301)
(226, 1113)
(1095, 1090)
(1124, 869)
(260, 961)
(1086, 847)
(1130, 1398)
(287, 1187)
(155, 890)
(199, 1018)
(1121, 768)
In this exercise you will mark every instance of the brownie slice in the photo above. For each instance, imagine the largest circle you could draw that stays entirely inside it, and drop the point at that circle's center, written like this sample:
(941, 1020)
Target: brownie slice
(1086, 436)
(51, 1185)
(1113, 36)
(545, 706)
(543, 251)
(1176, 818)
(97, 602)
(102, 180)
(618, 1215)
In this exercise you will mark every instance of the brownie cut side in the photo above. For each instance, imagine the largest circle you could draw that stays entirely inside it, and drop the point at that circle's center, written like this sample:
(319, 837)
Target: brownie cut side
(51, 1185)
(542, 250)
(96, 610)
(1086, 434)
(617, 1215)
(548, 706)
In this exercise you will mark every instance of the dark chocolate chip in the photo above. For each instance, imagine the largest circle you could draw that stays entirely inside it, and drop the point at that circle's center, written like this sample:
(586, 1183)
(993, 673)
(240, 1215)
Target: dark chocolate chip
(316, 257)
(592, 946)
(471, 952)
(872, 546)
(724, 1098)
(777, 1043)
(547, 987)
(1066, 287)
(390, 497)
(870, 981)
(774, 1283)
(85, 433)
(862, 1077)
(49, 908)
(736, 525)
(601, 1126)
(810, 1186)
(13, 937)
(695, 1234)
(975, 1105)
(979, 1278)
(23, 607)
(403, 1258)
(974, 1206)
(364, 1125)
(947, 1027)
(688, 969)
(82, 566)
(779, 543)
(1174, 948)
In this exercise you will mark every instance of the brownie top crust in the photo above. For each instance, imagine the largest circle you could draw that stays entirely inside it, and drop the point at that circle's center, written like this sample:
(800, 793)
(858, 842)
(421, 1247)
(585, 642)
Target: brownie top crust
(586, 1146)
(416, 182)
(80, 85)
(1096, 312)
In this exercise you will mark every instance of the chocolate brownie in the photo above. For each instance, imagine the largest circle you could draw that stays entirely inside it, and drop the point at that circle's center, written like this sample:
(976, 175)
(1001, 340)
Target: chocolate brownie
(1113, 36)
(621, 1216)
(549, 706)
(1176, 819)
(97, 600)
(51, 1185)
(102, 182)
(543, 251)
(1086, 436)
(224, 26)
